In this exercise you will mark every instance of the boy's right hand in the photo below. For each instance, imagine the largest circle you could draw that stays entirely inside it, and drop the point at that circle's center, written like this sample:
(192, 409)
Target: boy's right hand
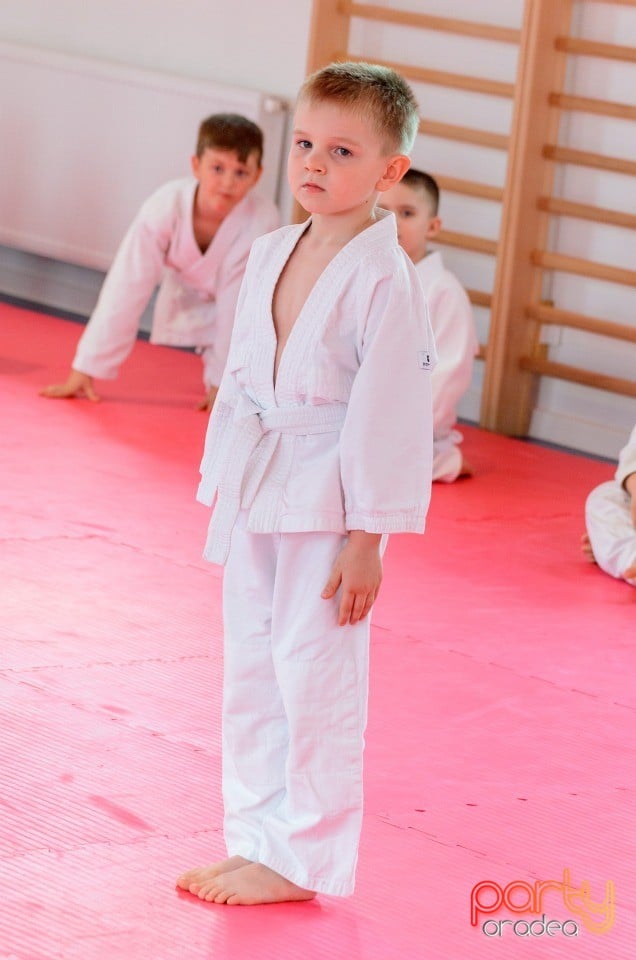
(76, 384)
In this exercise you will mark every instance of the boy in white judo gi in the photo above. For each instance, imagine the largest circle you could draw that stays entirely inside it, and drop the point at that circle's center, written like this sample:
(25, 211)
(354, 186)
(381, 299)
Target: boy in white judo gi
(319, 444)
(610, 519)
(415, 203)
(192, 237)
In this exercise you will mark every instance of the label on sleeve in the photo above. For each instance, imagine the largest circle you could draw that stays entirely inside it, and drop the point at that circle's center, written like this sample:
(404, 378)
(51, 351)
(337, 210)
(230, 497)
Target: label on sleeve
(424, 361)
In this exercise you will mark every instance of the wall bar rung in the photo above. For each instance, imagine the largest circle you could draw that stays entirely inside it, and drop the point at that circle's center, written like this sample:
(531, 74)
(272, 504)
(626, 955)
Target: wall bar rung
(449, 131)
(479, 298)
(584, 211)
(467, 241)
(604, 108)
(469, 188)
(584, 268)
(562, 371)
(592, 48)
(457, 81)
(583, 158)
(408, 18)
(580, 321)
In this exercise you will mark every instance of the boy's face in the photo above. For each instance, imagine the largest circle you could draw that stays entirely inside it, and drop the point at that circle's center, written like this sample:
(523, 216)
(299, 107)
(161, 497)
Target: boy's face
(337, 161)
(223, 179)
(415, 224)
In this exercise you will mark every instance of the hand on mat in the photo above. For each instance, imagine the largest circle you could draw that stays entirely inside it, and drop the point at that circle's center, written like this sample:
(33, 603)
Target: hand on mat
(76, 384)
(208, 402)
(358, 570)
(630, 574)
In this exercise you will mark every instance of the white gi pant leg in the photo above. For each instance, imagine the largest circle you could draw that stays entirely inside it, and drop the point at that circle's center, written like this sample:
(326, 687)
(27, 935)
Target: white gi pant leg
(609, 526)
(294, 710)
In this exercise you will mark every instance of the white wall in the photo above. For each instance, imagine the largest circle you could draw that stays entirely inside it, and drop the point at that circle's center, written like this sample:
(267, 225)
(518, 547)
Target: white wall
(250, 43)
(241, 43)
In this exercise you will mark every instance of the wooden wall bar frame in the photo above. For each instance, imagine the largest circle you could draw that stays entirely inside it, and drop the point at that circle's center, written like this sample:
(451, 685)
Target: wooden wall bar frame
(515, 357)
(508, 391)
(328, 32)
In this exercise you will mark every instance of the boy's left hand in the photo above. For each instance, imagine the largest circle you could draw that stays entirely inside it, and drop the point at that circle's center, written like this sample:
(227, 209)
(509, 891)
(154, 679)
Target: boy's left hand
(358, 569)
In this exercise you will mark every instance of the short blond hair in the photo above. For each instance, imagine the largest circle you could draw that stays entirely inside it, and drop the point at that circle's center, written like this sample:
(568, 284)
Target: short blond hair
(376, 92)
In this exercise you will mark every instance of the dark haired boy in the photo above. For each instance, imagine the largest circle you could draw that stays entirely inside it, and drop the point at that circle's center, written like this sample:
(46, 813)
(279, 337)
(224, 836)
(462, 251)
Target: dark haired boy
(192, 237)
(415, 203)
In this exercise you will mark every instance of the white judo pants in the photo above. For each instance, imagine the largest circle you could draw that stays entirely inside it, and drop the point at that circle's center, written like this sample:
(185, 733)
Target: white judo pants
(610, 529)
(294, 710)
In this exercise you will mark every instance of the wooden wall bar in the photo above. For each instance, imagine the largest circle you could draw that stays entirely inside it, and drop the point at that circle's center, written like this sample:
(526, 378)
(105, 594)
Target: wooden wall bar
(580, 321)
(426, 21)
(514, 357)
(588, 378)
(508, 393)
(448, 131)
(457, 81)
(586, 212)
(591, 48)
(583, 158)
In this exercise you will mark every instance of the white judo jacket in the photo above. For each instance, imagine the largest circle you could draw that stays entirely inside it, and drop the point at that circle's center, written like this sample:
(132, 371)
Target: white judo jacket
(343, 441)
(198, 291)
(627, 460)
(453, 326)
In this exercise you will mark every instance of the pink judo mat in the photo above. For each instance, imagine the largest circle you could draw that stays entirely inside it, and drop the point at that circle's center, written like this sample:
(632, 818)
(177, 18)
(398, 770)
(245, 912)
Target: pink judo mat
(499, 769)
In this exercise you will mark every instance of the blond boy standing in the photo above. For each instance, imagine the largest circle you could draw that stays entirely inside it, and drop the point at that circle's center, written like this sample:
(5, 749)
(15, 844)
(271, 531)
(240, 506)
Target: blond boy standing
(415, 203)
(192, 237)
(320, 443)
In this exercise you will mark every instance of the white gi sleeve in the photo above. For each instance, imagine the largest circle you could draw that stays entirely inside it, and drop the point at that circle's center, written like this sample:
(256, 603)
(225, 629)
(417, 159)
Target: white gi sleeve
(218, 437)
(230, 278)
(627, 460)
(386, 444)
(136, 270)
(456, 343)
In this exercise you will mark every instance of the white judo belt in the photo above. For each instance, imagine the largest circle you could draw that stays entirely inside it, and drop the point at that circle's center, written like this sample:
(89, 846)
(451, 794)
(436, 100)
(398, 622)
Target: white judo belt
(257, 432)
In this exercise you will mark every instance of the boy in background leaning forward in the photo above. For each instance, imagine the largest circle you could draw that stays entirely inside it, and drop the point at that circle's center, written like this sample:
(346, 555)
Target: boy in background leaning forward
(415, 203)
(193, 237)
(319, 444)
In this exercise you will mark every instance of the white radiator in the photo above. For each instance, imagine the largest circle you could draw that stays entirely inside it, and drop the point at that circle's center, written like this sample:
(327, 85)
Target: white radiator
(83, 143)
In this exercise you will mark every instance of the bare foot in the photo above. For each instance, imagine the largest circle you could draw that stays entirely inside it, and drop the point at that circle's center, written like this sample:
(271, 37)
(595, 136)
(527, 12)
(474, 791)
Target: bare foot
(586, 548)
(252, 884)
(194, 880)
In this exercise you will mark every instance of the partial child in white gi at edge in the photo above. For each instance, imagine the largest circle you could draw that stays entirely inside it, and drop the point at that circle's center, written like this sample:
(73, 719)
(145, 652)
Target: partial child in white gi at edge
(610, 519)
(319, 444)
(415, 203)
(192, 237)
